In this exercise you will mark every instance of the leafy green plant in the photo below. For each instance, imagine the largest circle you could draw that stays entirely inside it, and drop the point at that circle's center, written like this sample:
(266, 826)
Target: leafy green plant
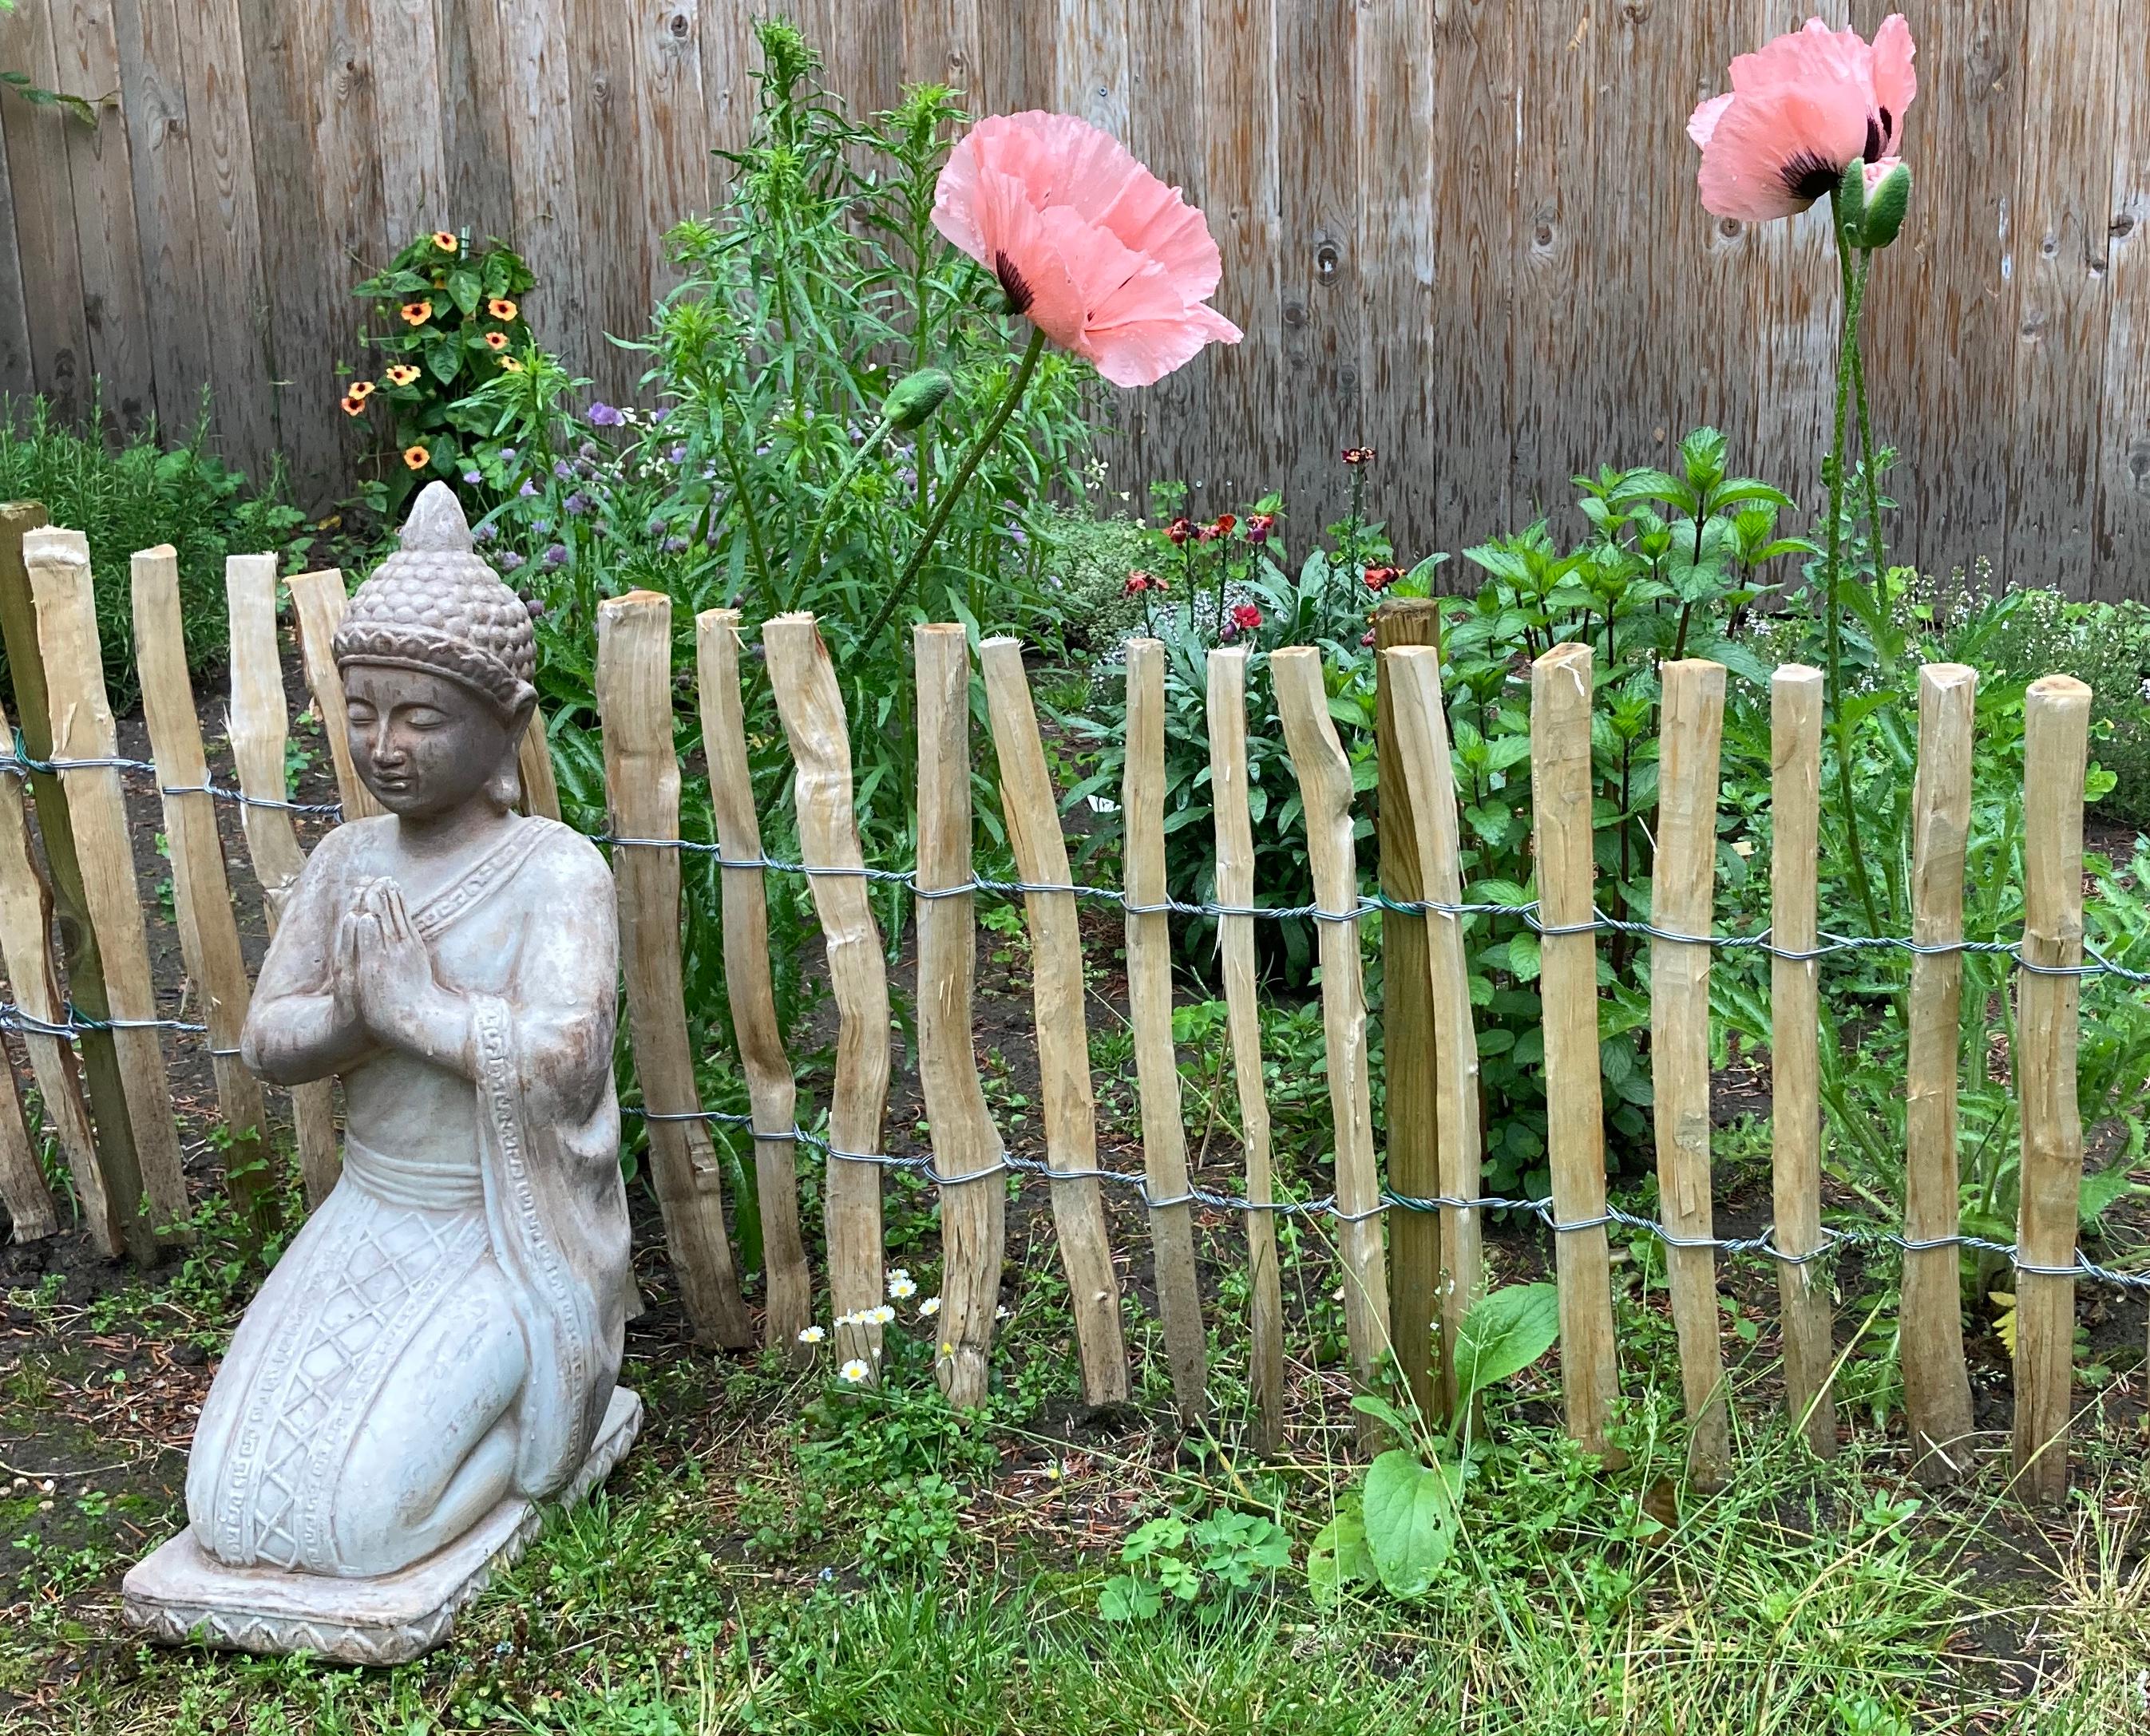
(1172, 1561)
(1399, 1528)
(447, 318)
(129, 493)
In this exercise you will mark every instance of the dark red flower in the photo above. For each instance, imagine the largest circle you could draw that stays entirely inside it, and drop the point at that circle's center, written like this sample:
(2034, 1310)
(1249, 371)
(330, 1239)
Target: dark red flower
(1368, 637)
(1379, 578)
(1137, 582)
(1358, 455)
(1180, 529)
(1259, 525)
(1223, 525)
(1246, 618)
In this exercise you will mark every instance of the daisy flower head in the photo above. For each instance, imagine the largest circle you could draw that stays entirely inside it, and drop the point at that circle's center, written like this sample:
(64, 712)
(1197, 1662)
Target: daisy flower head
(900, 1288)
(813, 1334)
(855, 1372)
(929, 1307)
(879, 1317)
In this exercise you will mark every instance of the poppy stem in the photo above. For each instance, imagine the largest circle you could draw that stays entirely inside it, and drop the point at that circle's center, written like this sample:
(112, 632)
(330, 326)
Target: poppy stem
(809, 564)
(1867, 469)
(964, 471)
(1833, 578)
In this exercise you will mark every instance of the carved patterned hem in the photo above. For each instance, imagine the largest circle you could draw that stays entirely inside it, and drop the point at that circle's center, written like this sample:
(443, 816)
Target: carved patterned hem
(180, 1594)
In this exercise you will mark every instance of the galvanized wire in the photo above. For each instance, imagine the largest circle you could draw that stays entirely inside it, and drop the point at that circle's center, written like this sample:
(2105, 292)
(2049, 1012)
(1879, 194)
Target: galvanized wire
(16, 1018)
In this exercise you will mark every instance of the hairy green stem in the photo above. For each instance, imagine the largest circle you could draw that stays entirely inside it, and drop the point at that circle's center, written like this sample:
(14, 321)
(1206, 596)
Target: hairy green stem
(810, 563)
(971, 459)
(736, 472)
(1866, 451)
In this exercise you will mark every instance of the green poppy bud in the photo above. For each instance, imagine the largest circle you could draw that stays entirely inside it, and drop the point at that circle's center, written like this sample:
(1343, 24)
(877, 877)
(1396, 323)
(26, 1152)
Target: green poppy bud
(916, 396)
(1851, 201)
(1888, 197)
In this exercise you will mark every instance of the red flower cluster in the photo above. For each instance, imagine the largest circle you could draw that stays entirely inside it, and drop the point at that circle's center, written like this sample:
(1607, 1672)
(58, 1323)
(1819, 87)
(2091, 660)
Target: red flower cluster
(1259, 527)
(1140, 581)
(1221, 526)
(1358, 455)
(1246, 618)
(1179, 531)
(1379, 578)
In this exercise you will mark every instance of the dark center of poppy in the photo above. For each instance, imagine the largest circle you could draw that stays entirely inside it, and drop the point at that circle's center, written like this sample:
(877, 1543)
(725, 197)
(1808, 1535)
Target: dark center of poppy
(1873, 152)
(1807, 177)
(1888, 129)
(1019, 293)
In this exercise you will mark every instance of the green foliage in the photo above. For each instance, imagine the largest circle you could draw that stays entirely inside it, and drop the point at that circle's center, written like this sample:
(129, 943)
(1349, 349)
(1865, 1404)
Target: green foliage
(1171, 1561)
(127, 493)
(447, 318)
(1084, 563)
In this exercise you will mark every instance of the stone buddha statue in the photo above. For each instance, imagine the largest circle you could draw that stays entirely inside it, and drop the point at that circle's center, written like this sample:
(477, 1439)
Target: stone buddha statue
(435, 1352)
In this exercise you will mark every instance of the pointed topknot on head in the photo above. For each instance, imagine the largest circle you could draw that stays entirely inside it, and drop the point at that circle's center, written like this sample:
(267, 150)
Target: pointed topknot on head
(436, 523)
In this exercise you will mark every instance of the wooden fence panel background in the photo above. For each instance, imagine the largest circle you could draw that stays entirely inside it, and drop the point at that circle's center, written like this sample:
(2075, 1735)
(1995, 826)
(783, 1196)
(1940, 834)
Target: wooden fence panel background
(1462, 230)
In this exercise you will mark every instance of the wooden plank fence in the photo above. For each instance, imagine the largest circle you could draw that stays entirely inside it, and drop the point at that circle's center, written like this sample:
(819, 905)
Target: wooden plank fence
(1483, 313)
(132, 1191)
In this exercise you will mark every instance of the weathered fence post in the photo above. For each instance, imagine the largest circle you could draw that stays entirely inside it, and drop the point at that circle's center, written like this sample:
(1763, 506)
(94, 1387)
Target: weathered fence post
(968, 1155)
(642, 796)
(26, 948)
(1227, 704)
(201, 893)
(1936, 1381)
(259, 726)
(1149, 1006)
(1430, 776)
(2055, 749)
(1561, 794)
(22, 1189)
(1069, 1103)
(82, 729)
(1413, 1151)
(318, 602)
(1324, 789)
(804, 681)
(1681, 902)
(1796, 708)
(772, 1093)
(116, 1202)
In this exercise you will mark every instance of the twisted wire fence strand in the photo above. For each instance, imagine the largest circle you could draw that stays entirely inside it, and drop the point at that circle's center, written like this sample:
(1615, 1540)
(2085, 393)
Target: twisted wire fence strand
(1762, 1245)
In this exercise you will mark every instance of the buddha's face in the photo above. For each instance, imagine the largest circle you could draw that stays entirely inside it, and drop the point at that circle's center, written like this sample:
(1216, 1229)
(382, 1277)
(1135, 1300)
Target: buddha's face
(425, 746)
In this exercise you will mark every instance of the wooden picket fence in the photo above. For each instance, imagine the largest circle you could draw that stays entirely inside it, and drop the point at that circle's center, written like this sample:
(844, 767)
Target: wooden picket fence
(94, 1046)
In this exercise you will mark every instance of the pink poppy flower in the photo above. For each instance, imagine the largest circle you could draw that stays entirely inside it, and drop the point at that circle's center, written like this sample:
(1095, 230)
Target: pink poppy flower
(1103, 257)
(1801, 110)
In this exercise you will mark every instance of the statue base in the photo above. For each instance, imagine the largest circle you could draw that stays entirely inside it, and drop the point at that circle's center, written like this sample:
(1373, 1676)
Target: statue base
(180, 1594)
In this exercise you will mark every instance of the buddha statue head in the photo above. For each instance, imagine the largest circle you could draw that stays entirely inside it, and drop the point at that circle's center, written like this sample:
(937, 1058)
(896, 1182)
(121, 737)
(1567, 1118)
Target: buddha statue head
(436, 656)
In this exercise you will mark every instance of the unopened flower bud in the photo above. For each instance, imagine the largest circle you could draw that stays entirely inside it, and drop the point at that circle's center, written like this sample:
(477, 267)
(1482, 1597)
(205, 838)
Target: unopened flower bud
(1851, 199)
(916, 396)
(1888, 193)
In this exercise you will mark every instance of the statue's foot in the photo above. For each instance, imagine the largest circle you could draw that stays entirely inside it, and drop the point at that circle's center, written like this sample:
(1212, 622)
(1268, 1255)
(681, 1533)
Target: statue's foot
(180, 1594)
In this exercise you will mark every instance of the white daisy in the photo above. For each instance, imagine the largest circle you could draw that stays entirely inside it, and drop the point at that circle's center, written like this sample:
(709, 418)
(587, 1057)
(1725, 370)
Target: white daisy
(879, 1317)
(813, 1334)
(856, 1371)
(930, 1306)
(901, 1288)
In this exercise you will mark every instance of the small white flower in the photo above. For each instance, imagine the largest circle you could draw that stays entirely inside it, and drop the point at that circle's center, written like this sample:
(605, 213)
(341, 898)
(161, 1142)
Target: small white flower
(901, 1288)
(897, 1272)
(813, 1334)
(849, 1320)
(930, 1306)
(856, 1371)
(879, 1317)
(1000, 1313)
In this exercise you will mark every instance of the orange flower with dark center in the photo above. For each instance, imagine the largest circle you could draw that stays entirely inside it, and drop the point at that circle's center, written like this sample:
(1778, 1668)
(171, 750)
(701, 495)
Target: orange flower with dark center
(508, 364)
(495, 340)
(402, 373)
(445, 242)
(361, 389)
(500, 308)
(415, 458)
(352, 406)
(417, 313)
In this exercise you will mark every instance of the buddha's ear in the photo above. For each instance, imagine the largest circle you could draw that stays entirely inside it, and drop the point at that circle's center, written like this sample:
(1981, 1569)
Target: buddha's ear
(505, 787)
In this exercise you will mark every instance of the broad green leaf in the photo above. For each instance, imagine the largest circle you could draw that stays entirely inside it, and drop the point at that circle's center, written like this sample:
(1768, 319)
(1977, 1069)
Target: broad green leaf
(1126, 1598)
(1337, 1557)
(1503, 1333)
(1409, 1512)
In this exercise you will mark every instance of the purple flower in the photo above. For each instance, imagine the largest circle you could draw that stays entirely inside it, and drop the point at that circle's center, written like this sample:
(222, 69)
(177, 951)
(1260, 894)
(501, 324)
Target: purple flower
(485, 532)
(556, 556)
(511, 559)
(673, 544)
(562, 471)
(1018, 535)
(527, 490)
(678, 454)
(576, 505)
(589, 451)
(508, 455)
(659, 414)
(655, 527)
(604, 415)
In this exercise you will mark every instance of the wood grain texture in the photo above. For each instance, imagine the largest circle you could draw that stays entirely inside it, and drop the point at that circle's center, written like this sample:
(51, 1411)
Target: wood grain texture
(1067, 1100)
(83, 728)
(1414, 1153)
(1421, 728)
(407, 74)
(772, 1094)
(1682, 899)
(1324, 791)
(533, 767)
(2122, 547)
(968, 1150)
(318, 602)
(257, 732)
(1937, 1408)
(161, 159)
(201, 890)
(1564, 845)
(43, 199)
(18, 375)
(1795, 1121)
(608, 289)
(475, 77)
(2056, 750)
(1227, 710)
(1149, 1008)
(641, 800)
(804, 681)
(26, 952)
(23, 1194)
